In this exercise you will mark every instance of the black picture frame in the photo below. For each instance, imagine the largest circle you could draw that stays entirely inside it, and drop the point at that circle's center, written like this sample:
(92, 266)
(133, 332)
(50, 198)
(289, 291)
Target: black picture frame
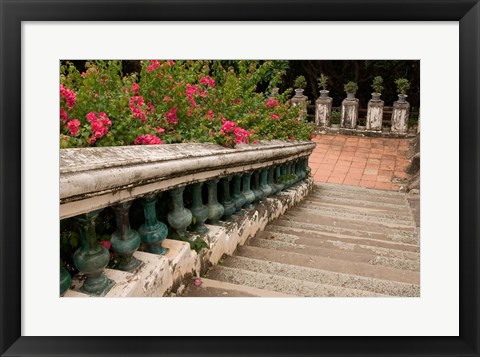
(13, 12)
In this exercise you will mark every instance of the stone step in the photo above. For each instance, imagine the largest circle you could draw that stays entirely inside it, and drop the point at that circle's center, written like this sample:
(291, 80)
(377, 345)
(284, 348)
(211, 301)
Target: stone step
(331, 264)
(348, 255)
(351, 221)
(335, 188)
(357, 214)
(283, 284)
(335, 243)
(349, 202)
(318, 276)
(344, 236)
(366, 196)
(216, 288)
(339, 225)
(358, 206)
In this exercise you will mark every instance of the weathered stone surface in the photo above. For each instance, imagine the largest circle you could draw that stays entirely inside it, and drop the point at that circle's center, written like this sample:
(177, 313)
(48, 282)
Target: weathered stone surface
(374, 115)
(349, 114)
(400, 115)
(323, 111)
(162, 274)
(92, 178)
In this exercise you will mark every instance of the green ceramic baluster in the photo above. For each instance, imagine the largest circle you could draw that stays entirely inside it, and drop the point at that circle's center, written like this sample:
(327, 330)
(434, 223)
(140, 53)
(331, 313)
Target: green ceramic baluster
(215, 209)
(266, 189)
(237, 197)
(152, 232)
(278, 179)
(271, 183)
(180, 217)
(301, 168)
(125, 241)
(247, 192)
(198, 209)
(226, 201)
(65, 279)
(256, 187)
(306, 167)
(92, 258)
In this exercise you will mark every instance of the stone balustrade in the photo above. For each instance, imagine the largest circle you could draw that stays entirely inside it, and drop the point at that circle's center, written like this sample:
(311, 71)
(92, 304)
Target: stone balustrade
(373, 121)
(231, 192)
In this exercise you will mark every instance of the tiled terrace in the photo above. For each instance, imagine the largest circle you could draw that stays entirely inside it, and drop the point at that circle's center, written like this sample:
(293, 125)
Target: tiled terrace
(359, 161)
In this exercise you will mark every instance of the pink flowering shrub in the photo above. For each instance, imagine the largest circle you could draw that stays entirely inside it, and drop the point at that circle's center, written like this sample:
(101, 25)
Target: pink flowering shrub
(175, 101)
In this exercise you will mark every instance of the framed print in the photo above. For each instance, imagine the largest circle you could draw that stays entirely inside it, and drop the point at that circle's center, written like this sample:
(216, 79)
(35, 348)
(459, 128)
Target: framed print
(442, 34)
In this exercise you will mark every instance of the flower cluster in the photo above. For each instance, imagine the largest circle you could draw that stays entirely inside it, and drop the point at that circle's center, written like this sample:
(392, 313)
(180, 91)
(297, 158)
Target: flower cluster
(139, 109)
(63, 115)
(171, 115)
(148, 139)
(272, 103)
(154, 64)
(240, 135)
(193, 90)
(73, 126)
(69, 95)
(99, 125)
(182, 101)
(207, 80)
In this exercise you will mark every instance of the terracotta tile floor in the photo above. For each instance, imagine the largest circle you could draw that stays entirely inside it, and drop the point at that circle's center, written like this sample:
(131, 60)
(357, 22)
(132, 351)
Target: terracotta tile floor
(359, 161)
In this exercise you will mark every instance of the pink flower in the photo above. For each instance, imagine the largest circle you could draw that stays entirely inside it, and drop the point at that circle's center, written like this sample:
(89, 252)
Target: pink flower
(275, 117)
(160, 130)
(135, 87)
(227, 126)
(73, 126)
(172, 116)
(69, 95)
(63, 115)
(208, 81)
(171, 63)
(99, 125)
(147, 139)
(84, 74)
(197, 282)
(272, 103)
(241, 136)
(136, 105)
(210, 114)
(154, 64)
(105, 243)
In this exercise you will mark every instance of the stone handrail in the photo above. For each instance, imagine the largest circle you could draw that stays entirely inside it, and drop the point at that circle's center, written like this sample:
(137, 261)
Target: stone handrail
(94, 178)
(240, 182)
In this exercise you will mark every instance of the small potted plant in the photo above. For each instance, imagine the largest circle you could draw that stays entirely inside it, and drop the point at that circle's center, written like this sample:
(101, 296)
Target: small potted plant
(402, 86)
(322, 83)
(336, 116)
(351, 88)
(377, 87)
(274, 92)
(300, 84)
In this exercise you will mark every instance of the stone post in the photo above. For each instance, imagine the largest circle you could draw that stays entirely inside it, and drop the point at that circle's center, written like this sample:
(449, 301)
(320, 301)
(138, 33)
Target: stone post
(349, 113)
(374, 115)
(323, 111)
(300, 99)
(400, 115)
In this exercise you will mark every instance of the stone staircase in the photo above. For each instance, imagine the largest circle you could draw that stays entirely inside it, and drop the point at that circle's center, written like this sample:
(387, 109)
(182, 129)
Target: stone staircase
(340, 241)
